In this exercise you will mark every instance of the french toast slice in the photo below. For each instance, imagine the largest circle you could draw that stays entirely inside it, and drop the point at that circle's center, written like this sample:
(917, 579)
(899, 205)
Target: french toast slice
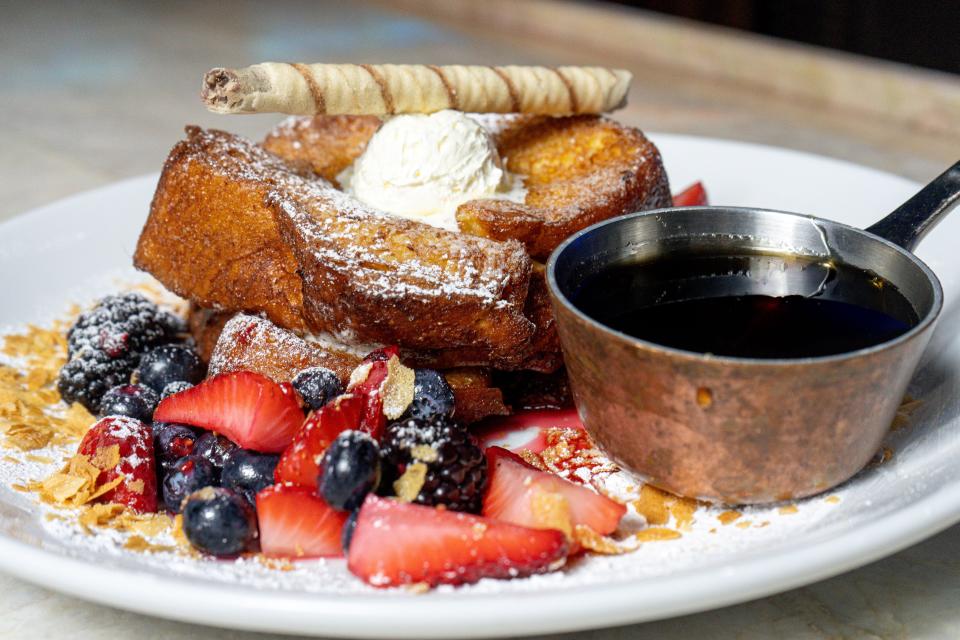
(371, 277)
(210, 238)
(326, 145)
(578, 170)
(252, 343)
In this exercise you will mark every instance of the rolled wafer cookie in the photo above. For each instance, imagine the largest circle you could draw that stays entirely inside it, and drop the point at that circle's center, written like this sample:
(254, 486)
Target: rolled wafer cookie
(368, 89)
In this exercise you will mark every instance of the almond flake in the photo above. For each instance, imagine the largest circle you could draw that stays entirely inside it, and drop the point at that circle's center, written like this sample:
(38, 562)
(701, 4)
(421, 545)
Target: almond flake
(424, 453)
(397, 389)
(142, 545)
(27, 437)
(593, 541)
(407, 487)
(652, 534)
(106, 457)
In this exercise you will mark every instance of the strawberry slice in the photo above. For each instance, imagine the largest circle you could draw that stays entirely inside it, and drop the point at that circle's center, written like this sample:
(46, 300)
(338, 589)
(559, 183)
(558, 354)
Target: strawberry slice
(693, 196)
(398, 543)
(250, 409)
(299, 463)
(514, 485)
(296, 523)
(132, 460)
(525, 430)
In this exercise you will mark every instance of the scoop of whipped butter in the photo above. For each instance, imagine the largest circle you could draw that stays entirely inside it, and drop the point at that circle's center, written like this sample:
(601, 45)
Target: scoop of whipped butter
(423, 167)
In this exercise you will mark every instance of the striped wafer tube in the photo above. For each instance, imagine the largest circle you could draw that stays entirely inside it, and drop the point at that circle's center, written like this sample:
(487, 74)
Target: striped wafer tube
(380, 89)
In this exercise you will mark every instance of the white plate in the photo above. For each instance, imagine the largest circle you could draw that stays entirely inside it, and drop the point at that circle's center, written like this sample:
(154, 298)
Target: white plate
(76, 248)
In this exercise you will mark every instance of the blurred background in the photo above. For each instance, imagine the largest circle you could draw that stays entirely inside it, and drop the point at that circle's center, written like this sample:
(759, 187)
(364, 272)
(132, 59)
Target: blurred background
(98, 90)
(911, 32)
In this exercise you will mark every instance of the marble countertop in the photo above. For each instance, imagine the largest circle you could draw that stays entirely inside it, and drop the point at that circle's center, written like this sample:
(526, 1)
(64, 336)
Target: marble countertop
(99, 92)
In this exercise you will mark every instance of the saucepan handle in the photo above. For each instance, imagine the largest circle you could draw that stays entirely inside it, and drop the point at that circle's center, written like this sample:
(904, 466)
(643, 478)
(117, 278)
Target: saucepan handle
(912, 220)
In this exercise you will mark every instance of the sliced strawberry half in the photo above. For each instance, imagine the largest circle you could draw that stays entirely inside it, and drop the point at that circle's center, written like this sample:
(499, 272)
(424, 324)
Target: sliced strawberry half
(525, 430)
(397, 543)
(693, 196)
(299, 463)
(132, 460)
(512, 490)
(296, 523)
(250, 409)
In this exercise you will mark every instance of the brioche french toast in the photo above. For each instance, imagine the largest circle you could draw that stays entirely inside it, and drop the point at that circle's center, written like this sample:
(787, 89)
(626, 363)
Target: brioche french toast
(577, 171)
(213, 238)
(399, 281)
(210, 238)
(252, 343)
(236, 228)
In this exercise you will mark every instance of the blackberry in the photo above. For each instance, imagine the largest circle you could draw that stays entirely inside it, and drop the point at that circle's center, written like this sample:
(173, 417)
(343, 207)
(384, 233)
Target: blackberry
(456, 469)
(122, 324)
(90, 373)
(104, 345)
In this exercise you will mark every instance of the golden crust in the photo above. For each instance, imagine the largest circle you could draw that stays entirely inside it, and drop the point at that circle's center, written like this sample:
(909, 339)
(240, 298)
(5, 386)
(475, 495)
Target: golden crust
(578, 170)
(250, 343)
(326, 145)
(210, 238)
(370, 278)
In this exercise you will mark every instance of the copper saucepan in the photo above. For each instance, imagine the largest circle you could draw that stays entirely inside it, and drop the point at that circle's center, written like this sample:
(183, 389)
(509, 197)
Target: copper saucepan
(744, 430)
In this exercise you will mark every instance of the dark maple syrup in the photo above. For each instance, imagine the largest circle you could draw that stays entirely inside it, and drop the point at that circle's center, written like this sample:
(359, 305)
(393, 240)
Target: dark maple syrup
(749, 305)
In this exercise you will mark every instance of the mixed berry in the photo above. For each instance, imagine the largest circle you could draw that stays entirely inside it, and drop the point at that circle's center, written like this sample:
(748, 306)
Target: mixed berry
(410, 498)
(104, 346)
(131, 400)
(170, 364)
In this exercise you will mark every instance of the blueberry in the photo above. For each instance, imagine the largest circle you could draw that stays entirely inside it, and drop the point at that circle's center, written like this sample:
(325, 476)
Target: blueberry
(172, 442)
(349, 470)
(132, 400)
(317, 386)
(174, 388)
(186, 475)
(170, 363)
(432, 396)
(215, 449)
(219, 521)
(346, 535)
(247, 472)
